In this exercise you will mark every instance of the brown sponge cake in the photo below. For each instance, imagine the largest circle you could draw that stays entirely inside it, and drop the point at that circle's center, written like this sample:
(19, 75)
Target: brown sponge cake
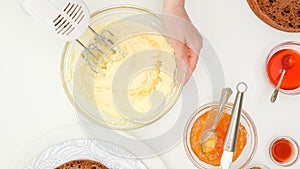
(280, 14)
(82, 164)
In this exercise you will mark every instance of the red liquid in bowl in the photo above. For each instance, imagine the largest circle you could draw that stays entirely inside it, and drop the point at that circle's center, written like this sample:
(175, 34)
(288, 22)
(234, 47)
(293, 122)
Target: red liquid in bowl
(291, 79)
(282, 150)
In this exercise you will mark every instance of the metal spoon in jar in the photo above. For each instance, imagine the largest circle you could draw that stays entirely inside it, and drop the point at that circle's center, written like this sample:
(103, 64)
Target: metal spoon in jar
(287, 63)
(209, 137)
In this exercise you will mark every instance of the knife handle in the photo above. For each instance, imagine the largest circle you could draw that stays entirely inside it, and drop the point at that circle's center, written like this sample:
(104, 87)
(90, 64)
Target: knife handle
(231, 135)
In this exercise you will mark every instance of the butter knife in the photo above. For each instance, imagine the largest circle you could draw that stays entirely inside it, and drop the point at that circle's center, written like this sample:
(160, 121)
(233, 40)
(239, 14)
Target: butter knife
(231, 135)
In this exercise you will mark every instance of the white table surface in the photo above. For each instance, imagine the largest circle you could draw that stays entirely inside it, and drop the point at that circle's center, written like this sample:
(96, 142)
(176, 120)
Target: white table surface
(32, 97)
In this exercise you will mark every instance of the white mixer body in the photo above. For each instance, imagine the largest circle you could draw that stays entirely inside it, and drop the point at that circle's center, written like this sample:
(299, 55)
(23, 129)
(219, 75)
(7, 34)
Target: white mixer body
(66, 19)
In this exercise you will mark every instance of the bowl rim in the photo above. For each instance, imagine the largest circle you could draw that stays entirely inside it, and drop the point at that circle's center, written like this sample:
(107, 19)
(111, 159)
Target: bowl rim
(78, 109)
(192, 119)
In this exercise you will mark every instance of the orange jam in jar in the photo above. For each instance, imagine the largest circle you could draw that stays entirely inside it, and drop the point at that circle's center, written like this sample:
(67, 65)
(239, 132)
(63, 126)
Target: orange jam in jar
(213, 157)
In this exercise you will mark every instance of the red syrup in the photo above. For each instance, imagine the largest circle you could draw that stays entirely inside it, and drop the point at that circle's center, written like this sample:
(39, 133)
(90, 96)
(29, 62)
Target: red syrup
(276, 65)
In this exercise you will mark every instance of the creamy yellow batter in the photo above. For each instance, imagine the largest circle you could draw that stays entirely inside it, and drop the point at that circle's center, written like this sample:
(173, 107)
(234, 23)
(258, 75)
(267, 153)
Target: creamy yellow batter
(141, 84)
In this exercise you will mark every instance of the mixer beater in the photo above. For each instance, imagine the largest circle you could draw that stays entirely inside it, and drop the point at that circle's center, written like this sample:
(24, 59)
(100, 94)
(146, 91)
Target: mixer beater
(68, 20)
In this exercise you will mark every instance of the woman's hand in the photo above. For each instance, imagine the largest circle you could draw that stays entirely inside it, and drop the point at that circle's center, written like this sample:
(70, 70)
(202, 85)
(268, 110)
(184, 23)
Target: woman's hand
(183, 35)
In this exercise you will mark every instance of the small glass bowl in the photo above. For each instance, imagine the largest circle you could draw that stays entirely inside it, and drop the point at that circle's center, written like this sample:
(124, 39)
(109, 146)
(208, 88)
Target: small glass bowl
(249, 150)
(285, 45)
(260, 166)
(295, 155)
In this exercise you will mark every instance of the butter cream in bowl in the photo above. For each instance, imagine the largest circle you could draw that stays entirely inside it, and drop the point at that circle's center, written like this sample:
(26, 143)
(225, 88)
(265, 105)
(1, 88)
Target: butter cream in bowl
(140, 83)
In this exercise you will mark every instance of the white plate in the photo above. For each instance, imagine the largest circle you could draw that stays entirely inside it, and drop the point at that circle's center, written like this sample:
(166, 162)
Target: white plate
(85, 149)
(69, 143)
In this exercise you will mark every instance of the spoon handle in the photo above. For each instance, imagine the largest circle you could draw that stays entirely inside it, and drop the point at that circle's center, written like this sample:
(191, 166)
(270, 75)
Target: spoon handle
(226, 93)
(275, 93)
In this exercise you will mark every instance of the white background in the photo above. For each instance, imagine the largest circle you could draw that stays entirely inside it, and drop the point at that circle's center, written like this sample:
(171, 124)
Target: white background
(33, 103)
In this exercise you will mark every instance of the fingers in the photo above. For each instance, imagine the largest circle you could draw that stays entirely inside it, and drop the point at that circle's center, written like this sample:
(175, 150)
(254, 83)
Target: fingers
(185, 55)
(191, 61)
(194, 41)
(179, 49)
(192, 58)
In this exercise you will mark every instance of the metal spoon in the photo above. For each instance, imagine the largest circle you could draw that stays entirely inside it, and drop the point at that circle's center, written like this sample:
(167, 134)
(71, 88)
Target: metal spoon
(210, 133)
(287, 63)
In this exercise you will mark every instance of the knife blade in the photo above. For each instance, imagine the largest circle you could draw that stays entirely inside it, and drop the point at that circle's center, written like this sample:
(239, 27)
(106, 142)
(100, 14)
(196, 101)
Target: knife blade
(226, 159)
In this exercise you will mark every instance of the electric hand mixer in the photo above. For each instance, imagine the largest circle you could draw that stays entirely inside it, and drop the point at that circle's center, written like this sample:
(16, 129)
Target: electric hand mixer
(68, 20)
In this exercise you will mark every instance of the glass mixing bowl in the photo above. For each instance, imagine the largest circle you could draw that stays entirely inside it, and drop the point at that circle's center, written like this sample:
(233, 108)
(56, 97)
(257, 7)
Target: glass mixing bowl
(124, 22)
(249, 150)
